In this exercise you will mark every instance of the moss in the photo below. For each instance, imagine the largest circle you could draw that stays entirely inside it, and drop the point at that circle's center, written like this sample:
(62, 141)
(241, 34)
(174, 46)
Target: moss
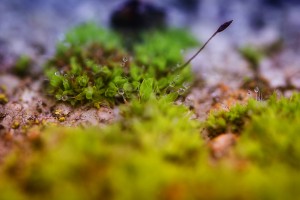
(157, 154)
(22, 66)
(91, 66)
(235, 119)
(272, 136)
(155, 151)
(61, 119)
(15, 124)
(58, 113)
(3, 98)
(232, 121)
(269, 130)
(105, 159)
(253, 56)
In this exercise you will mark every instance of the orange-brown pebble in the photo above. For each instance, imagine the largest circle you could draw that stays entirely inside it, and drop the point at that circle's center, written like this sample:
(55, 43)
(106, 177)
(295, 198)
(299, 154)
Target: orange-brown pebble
(32, 135)
(224, 88)
(221, 145)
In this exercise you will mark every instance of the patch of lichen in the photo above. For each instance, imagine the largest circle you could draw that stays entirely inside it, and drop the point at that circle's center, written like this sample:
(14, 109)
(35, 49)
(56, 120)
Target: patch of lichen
(92, 66)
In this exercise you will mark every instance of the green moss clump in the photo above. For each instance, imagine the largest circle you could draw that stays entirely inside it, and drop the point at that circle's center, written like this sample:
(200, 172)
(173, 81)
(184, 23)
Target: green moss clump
(232, 121)
(273, 137)
(15, 124)
(22, 66)
(269, 130)
(3, 98)
(162, 50)
(91, 65)
(253, 56)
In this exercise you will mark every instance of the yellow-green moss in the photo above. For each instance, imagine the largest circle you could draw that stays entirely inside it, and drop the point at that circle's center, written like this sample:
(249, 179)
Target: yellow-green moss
(3, 98)
(155, 151)
(15, 124)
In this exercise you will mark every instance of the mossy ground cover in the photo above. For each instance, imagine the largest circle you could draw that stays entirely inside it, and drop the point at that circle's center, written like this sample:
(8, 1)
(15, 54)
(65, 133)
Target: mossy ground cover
(155, 149)
(93, 66)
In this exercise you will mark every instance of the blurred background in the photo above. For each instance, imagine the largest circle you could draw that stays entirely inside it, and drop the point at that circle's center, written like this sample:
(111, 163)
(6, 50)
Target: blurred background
(256, 21)
(34, 26)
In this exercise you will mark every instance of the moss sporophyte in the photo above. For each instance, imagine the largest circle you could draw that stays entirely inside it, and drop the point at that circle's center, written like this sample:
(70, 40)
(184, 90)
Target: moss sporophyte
(91, 65)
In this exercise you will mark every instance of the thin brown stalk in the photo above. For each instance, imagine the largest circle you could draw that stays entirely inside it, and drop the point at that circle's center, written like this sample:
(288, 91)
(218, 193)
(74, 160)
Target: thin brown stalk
(220, 29)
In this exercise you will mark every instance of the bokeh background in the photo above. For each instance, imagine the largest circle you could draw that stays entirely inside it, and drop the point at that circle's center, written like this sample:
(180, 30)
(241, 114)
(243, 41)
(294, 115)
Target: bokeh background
(45, 21)
(28, 26)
